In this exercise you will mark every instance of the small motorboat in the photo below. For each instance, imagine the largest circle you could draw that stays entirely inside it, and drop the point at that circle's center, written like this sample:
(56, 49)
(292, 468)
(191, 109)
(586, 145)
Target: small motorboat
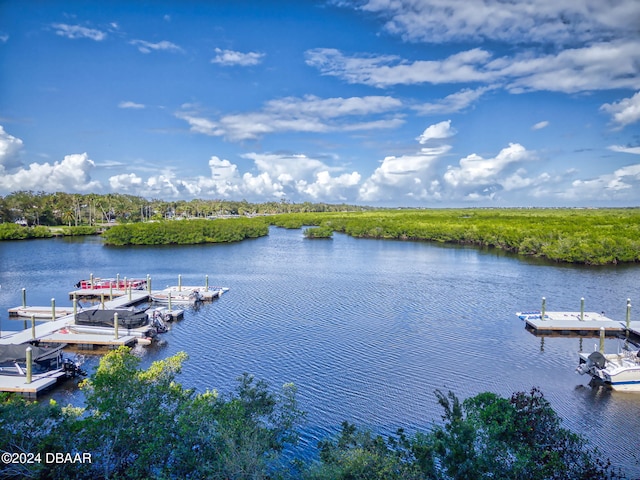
(620, 370)
(184, 296)
(45, 359)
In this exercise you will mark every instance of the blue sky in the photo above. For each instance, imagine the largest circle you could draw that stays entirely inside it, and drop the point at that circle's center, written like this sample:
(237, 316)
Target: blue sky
(434, 103)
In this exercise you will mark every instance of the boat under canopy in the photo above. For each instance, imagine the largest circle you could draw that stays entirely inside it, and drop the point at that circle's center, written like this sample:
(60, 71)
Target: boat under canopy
(127, 318)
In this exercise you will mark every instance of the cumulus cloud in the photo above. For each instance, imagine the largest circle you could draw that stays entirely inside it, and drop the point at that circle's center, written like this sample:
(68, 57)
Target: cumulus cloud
(10, 147)
(624, 112)
(618, 185)
(295, 114)
(435, 21)
(437, 131)
(77, 31)
(72, 174)
(231, 58)
(475, 171)
(148, 47)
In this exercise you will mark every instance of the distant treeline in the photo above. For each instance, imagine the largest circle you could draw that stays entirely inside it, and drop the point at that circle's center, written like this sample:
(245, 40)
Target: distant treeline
(587, 236)
(74, 209)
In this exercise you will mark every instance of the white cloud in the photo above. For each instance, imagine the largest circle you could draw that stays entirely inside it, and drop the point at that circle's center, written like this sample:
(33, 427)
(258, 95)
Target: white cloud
(133, 105)
(72, 174)
(475, 171)
(295, 114)
(620, 185)
(10, 147)
(125, 182)
(148, 47)
(540, 125)
(623, 149)
(453, 103)
(437, 131)
(599, 66)
(77, 31)
(624, 112)
(232, 58)
(545, 21)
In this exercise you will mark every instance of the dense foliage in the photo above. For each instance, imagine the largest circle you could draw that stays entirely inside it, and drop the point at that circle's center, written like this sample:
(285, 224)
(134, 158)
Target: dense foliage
(74, 209)
(139, 424)
(593, 237)
(184, 232)
(12, 231)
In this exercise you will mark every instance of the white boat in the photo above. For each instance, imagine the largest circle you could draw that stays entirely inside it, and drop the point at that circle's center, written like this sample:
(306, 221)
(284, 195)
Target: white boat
(620, 370)
(184, 296)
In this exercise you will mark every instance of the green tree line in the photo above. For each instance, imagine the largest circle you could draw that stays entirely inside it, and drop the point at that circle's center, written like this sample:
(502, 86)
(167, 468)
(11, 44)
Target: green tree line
(75, 209)
(592, 237)
(143, 424)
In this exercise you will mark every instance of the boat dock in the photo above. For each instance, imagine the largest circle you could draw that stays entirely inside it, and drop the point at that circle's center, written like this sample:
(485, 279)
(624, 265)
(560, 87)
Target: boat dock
(39, 383)
(581, 323)
(41, 313)
(571, 322)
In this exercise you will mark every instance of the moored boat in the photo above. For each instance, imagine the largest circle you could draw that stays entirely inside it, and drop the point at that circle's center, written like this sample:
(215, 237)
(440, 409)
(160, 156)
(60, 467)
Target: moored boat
(13, 359)
(620, 370)
(114, 283)
(184, 296)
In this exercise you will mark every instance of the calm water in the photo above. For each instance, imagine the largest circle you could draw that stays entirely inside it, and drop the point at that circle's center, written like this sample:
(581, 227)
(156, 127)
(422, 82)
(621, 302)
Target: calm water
(366, 329)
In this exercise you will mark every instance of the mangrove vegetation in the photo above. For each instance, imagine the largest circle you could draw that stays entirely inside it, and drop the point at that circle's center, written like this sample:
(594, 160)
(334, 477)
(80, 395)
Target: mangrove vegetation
(141, 424)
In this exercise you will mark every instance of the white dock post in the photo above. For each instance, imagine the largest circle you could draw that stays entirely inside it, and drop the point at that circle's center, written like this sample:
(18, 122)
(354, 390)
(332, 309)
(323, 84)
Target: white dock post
(582, 309)
(179, 283)
(544, 308)
(129, 292)
(601, 339)
(24, 297)
(29, 364)
(206, 282)
(115, 326)
(110, 290)
(75, 306)
(149, 284)
(53, 309)
(91, 280)
(118, 281)
(169, 301)
(628, 313)
(102, 301)
(33, 327)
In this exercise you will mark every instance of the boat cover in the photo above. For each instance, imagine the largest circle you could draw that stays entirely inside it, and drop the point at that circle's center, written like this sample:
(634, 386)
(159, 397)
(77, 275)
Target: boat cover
(104, 318)
(17, 353)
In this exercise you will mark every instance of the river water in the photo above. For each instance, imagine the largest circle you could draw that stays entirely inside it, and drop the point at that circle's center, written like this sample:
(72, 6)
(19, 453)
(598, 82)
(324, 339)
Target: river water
(366, 329)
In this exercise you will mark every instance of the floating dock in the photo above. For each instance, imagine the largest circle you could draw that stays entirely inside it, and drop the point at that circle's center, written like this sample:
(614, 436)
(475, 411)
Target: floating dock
(40, 313)
(39, 383)
(571, 322)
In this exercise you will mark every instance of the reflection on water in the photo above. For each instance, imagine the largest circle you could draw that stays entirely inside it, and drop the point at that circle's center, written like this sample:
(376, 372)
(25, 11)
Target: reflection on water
(366, 329)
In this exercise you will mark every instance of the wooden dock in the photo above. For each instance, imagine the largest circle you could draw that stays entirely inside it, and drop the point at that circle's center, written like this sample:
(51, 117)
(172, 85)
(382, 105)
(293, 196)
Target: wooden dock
(88, 339)
(571, 322)
(39, 383)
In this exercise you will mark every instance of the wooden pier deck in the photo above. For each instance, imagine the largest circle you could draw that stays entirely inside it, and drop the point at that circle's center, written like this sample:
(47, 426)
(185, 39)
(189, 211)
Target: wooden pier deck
(570, 322)
(39, 383)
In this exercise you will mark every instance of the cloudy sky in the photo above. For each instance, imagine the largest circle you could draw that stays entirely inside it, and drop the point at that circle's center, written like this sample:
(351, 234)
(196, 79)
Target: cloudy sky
(431, 103)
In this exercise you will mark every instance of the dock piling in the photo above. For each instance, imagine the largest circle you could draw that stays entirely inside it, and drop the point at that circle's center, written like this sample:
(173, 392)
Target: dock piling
(29, 364)
(601, 339)
(24, 297)
(179, 283)
(91, 280)
(206, 282)
(169, 298)
(582, 309)
(53, 309)
(33, 327)
(544, 308)
(102, 301)
(118, 281)
(149, 283)
(75, 306)
(115, 326)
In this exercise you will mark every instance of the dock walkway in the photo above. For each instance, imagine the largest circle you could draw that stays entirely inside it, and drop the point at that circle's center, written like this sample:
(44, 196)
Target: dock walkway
(570, 322)
(39, 383)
